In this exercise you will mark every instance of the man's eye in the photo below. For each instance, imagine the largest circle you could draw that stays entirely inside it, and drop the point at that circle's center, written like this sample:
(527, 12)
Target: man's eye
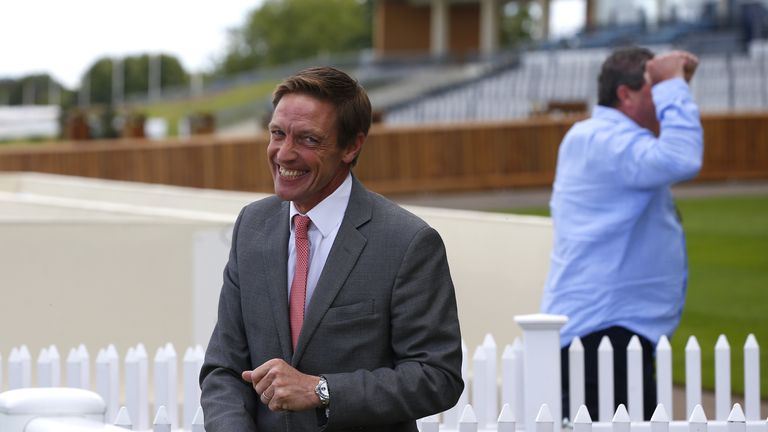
(276, 133)
(311, 140)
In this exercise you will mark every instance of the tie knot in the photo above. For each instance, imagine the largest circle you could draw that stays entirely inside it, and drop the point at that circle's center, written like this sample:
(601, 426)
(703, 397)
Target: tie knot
(301, 223)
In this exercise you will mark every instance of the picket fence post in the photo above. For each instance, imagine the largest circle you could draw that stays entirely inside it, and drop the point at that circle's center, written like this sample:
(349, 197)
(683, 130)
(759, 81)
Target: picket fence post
(605, 379)
(621, 421)
(544, 421)
(468, 420)
(512, 379)
(697, 422)
(165, 382)
(506, 420)
(136, 394)
(722, 378)
(162, 422)
(193, 361)
(541, 360)
(108, 379)
(44, 369)
(664, 374)
(635, 379)
(692, 375)
(198, 421)
(492, 387)
(19, 368)
(123, 419)
(752, 378)
(112, 360)
(480, 384)
(576, 390)
(660, 419)
(736, 420)
(582, 422)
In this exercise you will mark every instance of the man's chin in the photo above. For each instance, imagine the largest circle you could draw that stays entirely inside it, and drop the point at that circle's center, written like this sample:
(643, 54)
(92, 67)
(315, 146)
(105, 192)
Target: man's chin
(286, 193)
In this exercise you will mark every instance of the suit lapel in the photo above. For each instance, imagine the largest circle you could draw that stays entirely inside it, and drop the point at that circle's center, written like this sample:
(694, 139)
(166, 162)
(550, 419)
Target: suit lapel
(346, 249)
(275, 259)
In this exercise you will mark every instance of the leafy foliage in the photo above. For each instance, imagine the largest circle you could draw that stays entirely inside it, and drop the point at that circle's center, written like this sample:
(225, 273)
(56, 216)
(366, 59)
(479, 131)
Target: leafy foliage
(517, 24)
(281, 31)
(36, 89)
(135, 76)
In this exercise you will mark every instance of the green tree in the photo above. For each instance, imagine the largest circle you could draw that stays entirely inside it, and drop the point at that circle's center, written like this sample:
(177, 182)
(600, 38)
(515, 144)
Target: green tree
(517, 24)
(135, 76)
(31, 89)
(281, 31)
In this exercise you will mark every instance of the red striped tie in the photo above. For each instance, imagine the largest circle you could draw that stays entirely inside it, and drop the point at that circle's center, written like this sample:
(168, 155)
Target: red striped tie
(299, 284)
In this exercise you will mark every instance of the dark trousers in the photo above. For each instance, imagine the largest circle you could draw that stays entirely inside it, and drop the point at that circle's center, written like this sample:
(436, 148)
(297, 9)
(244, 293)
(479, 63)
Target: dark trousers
(619, 337)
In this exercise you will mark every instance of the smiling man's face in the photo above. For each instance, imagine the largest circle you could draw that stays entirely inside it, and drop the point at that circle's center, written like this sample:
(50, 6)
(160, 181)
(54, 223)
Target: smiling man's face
(304, 155)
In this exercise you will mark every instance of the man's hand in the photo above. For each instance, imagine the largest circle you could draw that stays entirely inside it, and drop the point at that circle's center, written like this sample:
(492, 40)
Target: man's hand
(282, 387)
(675, 64)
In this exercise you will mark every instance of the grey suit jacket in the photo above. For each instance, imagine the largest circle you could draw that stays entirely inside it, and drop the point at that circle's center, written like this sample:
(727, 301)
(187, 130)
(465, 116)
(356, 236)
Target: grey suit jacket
(381, 326)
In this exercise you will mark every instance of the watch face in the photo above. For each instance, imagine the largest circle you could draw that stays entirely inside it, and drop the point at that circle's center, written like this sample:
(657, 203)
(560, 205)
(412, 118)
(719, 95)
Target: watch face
(322, 392)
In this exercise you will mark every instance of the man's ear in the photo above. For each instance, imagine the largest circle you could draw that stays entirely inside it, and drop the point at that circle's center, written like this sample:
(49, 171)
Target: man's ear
(622, 94)
(351, 152)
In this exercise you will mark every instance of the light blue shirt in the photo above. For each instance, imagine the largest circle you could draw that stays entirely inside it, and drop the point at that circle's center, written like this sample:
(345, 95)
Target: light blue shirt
(326, 219)
(619, 251)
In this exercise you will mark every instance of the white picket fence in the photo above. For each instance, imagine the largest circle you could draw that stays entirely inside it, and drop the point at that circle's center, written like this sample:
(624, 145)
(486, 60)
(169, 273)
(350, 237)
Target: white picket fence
(530, 379)
(135, 381)
(620, 422)
(529, 390)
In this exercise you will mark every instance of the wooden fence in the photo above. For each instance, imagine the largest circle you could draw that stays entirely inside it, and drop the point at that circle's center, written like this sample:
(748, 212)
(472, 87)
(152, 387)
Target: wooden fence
(467, 156)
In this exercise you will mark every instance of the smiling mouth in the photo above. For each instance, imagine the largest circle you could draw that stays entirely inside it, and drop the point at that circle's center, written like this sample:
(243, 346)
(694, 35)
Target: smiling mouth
(285, 172)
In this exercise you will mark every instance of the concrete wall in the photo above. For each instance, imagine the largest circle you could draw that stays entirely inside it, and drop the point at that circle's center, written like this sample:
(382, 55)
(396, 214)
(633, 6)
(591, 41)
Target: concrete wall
(99, 262)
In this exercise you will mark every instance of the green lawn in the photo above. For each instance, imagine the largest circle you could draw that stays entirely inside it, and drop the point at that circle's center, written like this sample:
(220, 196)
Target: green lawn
(234, 97)
(728, 282)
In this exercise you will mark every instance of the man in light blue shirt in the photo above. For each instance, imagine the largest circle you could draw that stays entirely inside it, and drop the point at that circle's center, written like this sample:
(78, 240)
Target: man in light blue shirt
(618, 267)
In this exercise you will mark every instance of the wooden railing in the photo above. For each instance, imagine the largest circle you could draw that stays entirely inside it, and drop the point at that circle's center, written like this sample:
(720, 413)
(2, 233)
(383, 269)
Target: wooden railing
(467, 156)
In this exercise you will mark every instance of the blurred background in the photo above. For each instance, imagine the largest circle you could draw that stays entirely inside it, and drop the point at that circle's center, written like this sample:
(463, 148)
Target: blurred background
(86, 69)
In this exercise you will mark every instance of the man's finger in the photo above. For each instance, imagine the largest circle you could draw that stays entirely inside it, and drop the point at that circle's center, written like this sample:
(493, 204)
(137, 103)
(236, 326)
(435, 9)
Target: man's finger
(247, 375)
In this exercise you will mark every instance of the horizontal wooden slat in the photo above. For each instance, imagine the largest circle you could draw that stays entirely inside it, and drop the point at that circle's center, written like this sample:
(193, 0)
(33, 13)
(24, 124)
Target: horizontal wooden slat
(427, 158)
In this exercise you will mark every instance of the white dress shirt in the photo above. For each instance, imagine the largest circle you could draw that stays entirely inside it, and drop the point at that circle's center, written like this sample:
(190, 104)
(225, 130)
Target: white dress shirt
(326, 219)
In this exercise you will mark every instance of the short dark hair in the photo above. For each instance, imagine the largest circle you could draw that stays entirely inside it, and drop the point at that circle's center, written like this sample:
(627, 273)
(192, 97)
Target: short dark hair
(625, 66)
(353, 108)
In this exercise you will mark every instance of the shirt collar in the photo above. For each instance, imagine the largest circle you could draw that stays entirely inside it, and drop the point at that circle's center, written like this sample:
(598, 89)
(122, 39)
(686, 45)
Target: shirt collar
(610, 114)
(327, 214)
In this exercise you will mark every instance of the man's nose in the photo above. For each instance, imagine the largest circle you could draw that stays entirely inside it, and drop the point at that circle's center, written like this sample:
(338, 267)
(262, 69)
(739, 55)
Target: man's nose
(287, 149)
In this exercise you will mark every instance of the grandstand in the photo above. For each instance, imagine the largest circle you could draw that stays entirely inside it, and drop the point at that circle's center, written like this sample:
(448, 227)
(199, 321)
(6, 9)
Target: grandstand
(546, 78)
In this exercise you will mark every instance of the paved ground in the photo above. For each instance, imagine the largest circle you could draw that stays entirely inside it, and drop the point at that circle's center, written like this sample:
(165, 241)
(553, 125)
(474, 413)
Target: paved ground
(539, 197)
(526, 198)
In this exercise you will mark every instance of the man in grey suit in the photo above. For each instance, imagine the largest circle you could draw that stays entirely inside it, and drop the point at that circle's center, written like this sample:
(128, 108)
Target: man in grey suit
(360, 332)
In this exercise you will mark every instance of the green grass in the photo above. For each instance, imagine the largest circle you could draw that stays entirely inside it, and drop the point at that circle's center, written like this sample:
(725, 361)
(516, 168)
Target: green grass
(26, 142)
(728, 282)
(172, 112)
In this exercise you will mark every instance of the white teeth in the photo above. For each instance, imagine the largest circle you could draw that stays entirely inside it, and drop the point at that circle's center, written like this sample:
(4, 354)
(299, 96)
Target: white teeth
(290, 173)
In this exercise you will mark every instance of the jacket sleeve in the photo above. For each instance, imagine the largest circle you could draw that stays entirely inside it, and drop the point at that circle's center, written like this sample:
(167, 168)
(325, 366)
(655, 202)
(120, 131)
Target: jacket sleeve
(426, 340)
(228, 400)
(677, 153)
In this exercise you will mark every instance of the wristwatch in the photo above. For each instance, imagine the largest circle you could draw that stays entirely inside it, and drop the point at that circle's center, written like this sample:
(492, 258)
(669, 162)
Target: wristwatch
(321, 390)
